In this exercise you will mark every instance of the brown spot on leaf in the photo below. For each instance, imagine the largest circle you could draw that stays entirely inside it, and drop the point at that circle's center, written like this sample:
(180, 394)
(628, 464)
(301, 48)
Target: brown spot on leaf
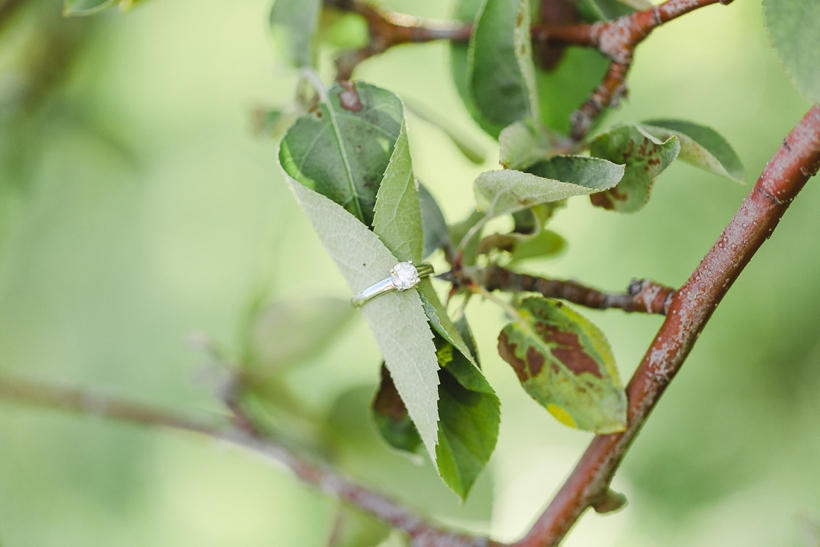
(607, 199)
(388, 402)
(568, 349)
(507, 352)
(535, 360)
(349, 97)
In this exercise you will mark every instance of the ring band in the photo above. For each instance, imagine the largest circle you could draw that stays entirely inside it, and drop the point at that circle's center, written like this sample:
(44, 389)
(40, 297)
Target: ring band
(403, 276)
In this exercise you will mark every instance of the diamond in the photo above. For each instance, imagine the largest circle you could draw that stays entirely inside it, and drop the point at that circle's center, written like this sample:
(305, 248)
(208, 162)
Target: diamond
(404, 275)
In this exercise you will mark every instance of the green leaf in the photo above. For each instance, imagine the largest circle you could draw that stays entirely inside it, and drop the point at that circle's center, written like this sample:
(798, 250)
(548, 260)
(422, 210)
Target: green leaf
(391, 416)
(355, 528)
(342, 29)
(468, 407)
(604, 10)
(293, 25)
(645, 157)
(507, 191)
(501, 75)
(397, 319)
(436, 234)
(471, 150)
(343, 150)
(546, 244)
(397, 214)
(460, 230)
(562, 90)
(466, 11)
(701, 146)
(78, 8)
(793, 30)
(86, 7)
(523, 144)
(469, 413)
(470, 418)
(565, 363)
(288, 332)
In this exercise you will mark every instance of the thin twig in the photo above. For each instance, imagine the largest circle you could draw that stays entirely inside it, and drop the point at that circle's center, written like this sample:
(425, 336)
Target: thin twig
(642, 296)
(94, 403)
(797, 159)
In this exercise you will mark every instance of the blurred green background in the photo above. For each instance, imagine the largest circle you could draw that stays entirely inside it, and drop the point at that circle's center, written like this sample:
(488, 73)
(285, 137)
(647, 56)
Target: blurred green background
(137, 205)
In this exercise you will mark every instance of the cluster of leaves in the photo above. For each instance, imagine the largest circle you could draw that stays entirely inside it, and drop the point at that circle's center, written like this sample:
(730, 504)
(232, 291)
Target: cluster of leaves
(347, 161)
(346, 158)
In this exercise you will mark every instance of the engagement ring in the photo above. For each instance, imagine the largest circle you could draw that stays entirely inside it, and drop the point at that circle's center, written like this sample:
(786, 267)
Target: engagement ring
(403, 276)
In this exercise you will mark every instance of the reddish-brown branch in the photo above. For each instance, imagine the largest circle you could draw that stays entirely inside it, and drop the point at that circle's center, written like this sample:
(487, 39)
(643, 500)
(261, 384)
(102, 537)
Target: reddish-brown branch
(325, 479)
(643, 296)
(793, 164)
(617, 40)
(388, 28)
(608, 93)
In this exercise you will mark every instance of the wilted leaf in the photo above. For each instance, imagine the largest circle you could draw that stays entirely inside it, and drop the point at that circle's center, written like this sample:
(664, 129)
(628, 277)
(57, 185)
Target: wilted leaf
(397, 319)
(355, 528)
(645, 157)
(565, 363)
(507, 191)
(701, 146)
(287, 332)
(433, 224)
(293, 24)
(342, 149)
(501, 75)
(793, 30)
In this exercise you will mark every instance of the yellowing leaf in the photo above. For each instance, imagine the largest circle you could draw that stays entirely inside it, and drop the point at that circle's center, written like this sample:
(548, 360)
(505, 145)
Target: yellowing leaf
(565, 363)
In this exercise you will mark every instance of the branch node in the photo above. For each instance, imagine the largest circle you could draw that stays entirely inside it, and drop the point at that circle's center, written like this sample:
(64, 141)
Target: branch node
(609, 502)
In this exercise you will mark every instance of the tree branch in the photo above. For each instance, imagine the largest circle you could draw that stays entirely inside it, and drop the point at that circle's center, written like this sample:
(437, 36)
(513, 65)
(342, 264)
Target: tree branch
(616, 39)
(642, 295)
(389, 28)
(797, 159)
(97, 404)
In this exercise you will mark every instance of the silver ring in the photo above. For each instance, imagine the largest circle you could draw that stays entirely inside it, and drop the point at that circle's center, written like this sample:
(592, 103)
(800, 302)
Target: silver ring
(403, 277)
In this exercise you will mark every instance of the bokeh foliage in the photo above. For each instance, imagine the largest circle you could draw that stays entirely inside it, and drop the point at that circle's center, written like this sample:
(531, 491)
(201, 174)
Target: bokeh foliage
(160, 213)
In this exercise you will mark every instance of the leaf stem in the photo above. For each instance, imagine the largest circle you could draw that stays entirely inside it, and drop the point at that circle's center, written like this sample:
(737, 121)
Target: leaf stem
(506, 306)
(307, 74)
